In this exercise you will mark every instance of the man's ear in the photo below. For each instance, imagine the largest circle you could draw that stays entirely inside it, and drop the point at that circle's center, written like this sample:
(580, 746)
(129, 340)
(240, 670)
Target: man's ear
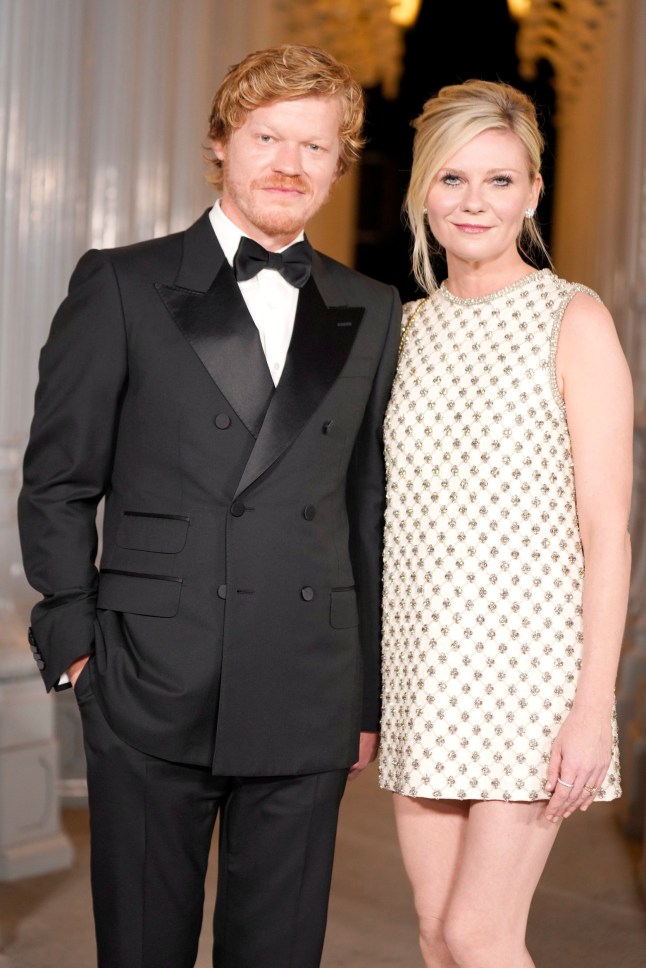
(218, 147)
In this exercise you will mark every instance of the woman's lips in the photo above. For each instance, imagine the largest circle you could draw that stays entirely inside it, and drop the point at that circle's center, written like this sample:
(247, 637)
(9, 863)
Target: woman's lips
(471, 229)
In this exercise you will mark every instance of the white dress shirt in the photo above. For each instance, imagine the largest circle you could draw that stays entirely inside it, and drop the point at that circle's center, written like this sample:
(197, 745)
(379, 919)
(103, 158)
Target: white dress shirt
(270, 299)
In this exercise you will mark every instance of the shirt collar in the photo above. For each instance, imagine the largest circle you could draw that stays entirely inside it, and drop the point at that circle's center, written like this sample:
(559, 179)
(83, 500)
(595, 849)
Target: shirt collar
(228, 234)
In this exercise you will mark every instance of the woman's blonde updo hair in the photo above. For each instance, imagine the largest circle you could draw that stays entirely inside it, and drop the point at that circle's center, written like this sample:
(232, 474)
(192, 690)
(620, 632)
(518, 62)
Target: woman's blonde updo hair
(450, 119)
(287, 73)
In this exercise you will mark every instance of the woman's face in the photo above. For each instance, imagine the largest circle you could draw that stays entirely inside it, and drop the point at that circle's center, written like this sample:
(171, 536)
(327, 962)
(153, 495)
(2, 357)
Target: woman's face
(477, 201)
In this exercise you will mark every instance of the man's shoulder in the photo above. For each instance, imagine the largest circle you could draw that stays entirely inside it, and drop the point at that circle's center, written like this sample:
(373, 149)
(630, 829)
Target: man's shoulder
(145, 250)
(352, 280)
(141, 249)
(150, 252)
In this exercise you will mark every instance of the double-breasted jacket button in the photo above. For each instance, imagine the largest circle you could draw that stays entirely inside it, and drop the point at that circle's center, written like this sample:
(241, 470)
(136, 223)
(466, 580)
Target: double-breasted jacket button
(237, 509)
(307, 593)
(309, 512)
(222, 421)
(222, 591)
(327, 426)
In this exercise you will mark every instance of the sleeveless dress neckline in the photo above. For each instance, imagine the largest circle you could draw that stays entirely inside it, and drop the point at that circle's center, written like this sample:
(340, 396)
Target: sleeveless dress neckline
(525, 280)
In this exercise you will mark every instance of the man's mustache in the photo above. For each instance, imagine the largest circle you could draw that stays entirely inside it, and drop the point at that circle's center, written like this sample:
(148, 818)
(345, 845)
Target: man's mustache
(293, 182)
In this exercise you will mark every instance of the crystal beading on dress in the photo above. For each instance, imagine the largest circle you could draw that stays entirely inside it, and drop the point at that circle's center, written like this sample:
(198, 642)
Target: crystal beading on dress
(483, 566)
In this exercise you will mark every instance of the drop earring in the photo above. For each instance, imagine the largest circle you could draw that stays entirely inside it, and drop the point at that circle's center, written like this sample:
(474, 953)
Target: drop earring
(529, 212)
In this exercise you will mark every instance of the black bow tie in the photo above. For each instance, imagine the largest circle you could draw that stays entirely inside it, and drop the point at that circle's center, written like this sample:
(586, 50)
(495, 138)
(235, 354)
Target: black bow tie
(294, 264)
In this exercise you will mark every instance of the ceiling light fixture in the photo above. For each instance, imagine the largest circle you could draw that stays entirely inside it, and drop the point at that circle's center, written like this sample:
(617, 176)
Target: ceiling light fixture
(404, 12)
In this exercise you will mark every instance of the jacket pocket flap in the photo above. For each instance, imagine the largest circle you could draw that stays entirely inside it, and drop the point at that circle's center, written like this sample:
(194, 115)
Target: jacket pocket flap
(161, 533)
(126, 591)
(344, 613)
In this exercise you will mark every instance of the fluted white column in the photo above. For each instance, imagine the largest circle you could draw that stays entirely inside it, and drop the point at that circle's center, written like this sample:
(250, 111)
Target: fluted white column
(30, 838)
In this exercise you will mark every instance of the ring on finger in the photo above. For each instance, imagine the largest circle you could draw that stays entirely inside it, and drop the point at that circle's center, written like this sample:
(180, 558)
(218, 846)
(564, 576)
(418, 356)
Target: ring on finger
(564, 783)
(591, 790)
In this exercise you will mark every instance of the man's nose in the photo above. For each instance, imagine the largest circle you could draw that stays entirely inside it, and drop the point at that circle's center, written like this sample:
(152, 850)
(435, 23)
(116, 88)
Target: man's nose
(288, 158)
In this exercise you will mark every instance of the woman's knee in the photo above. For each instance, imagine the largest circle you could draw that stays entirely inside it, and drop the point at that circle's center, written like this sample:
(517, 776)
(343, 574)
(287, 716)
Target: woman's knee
(472, 943)
(467, 940)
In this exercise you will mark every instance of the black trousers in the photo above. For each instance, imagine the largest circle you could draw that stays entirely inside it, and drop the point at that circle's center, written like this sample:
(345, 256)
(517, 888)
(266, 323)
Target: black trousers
(151, 826)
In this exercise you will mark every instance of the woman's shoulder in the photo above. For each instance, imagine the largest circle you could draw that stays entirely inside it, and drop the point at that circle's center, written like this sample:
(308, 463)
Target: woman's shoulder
(581, 315)
(415, 307)
(570, 289)
(412, 306)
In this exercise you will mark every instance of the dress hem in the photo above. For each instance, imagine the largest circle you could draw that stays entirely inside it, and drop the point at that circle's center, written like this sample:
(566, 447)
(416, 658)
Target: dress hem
(500, 798)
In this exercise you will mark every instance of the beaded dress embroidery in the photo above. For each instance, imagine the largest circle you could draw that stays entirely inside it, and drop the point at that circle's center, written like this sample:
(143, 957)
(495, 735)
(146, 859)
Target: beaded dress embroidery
(483, 567)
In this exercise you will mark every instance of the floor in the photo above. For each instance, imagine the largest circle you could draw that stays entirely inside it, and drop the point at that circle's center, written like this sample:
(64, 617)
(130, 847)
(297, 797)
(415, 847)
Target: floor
(587, 912)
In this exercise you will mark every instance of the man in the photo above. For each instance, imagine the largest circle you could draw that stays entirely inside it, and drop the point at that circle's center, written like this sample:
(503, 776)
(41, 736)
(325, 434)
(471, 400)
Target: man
(227, 401)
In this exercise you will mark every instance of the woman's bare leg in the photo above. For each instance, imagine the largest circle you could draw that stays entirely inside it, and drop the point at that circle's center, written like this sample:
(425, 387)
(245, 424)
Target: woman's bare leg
(431, 837)
(503, 855)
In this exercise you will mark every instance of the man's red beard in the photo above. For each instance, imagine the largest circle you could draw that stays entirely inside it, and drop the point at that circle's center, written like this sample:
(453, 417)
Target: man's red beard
(280, 218)
(274, 216)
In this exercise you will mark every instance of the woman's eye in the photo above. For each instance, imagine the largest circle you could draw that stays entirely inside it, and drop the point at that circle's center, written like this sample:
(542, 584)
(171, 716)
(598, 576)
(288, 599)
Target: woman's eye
(451, 179)
(314, 147)
(265, 138)
(502, 180)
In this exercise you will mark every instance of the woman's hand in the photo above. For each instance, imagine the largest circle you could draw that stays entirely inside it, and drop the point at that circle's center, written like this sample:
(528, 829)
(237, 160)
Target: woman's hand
(579, 762)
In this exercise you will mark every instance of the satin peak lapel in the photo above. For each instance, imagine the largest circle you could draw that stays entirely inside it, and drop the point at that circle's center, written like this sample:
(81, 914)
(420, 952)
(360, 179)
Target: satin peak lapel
(220, 330)
(321, 343)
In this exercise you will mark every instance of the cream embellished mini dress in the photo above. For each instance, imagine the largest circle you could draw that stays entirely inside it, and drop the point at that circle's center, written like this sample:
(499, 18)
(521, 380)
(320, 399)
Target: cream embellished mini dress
(483, 567)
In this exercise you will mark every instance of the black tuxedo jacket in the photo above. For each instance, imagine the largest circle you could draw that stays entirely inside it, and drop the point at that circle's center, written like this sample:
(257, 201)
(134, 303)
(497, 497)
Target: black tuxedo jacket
(235, 617)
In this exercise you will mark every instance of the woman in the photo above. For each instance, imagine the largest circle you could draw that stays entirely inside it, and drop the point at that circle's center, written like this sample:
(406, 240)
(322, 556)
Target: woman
(499, 660)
